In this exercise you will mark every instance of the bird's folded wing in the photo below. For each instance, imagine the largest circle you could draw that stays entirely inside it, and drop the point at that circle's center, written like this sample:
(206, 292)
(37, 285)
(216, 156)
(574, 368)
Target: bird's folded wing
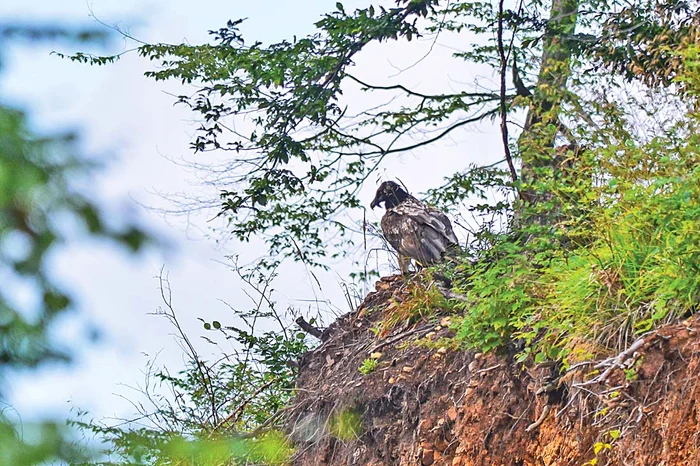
(429, 216)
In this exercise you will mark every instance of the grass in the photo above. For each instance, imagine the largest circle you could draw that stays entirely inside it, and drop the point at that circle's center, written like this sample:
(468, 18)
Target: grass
(628, 261)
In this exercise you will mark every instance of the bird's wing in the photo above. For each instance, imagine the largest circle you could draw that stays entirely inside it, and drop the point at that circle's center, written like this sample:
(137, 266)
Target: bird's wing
(418, 231)
(429, 216)
(408, 237)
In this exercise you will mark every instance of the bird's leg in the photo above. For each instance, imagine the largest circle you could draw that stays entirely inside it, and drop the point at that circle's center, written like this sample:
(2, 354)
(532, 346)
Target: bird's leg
(404, 263)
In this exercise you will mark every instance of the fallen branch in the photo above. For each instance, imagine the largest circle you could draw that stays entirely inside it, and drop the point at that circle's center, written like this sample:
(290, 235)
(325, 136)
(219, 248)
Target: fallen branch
(612, 363)
(488, 369)
(401, 336)
(308, 328)
(540, 420)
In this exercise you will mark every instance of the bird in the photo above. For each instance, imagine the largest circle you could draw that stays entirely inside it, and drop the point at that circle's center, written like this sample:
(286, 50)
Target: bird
(413, 228)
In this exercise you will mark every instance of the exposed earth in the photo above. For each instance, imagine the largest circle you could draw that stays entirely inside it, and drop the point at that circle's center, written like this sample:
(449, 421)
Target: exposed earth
(428, 403)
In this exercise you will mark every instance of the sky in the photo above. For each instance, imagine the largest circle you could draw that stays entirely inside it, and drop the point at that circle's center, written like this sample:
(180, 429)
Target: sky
(129, 123)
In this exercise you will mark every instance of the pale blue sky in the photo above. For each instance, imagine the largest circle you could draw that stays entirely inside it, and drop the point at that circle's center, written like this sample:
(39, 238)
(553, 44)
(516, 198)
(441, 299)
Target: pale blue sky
(131, 121)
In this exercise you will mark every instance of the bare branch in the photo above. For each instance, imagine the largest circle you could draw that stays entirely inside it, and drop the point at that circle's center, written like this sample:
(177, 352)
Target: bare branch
(504, 109)
(308, 328)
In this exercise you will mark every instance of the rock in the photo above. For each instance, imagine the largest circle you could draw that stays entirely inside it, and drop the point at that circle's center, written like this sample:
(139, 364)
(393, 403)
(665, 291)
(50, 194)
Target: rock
(428, 457)
(452, 413)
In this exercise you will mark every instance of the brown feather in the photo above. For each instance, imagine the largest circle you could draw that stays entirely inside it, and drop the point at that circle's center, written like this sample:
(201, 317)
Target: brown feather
(418, 231)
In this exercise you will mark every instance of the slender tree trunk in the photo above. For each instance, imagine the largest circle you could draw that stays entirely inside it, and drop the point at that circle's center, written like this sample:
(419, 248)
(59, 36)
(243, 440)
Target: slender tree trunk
(536, 143)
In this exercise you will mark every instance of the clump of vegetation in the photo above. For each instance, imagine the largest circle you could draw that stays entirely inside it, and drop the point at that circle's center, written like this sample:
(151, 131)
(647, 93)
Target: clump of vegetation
(368, 366)
(346, 424)
(625, 260)
(419, 300)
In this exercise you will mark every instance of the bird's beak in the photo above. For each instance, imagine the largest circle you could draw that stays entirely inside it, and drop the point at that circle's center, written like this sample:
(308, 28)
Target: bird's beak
(375, 202)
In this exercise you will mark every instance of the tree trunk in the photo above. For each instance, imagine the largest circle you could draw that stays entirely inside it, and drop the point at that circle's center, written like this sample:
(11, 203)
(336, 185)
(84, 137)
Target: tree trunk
(537, 141)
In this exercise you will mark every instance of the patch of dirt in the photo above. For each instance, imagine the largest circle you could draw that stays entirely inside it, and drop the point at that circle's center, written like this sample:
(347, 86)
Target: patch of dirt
(426, 404)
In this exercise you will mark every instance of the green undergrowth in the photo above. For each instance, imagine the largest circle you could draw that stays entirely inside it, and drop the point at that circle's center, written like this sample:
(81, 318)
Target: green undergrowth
(419, 302)
(619, 259)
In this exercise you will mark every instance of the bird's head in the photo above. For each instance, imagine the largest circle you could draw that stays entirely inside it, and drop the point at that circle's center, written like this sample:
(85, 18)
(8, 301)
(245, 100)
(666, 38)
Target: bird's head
(390, 193)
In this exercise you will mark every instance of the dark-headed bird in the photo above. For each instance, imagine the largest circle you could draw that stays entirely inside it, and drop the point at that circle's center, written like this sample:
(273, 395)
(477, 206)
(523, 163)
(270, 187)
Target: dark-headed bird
(416, 230)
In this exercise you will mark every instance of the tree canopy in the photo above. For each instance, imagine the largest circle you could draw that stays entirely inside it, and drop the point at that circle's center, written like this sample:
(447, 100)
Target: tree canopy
(299, 152)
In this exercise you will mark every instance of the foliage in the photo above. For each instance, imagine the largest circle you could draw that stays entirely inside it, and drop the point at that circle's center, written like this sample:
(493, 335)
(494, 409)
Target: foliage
(38, 195)
(346, 425)
(299, 166)
(368, 366)
(418, 301)
(229, 409)
(623, 257)
(298, 162)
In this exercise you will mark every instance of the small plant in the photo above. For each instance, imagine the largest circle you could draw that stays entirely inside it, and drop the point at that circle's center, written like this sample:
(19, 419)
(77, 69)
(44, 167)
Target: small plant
(598, 447)
(421, 300)
(602, 447)
(631, 373)
(368, 366)
(346, 425)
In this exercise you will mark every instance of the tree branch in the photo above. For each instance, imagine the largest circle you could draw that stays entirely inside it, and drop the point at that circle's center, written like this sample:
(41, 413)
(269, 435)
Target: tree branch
(503, 107)
(418, 94)
(308, 328)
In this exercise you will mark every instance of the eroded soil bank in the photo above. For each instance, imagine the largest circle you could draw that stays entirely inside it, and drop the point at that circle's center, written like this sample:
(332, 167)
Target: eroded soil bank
(426, 405)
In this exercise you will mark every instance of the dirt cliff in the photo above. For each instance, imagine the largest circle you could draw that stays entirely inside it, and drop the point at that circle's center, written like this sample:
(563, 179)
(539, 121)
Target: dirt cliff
(428, 403)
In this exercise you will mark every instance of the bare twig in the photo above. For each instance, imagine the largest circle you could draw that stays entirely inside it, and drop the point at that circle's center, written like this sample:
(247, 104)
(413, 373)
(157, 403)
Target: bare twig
(612, 363)
(202, 370)
(488, 369)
